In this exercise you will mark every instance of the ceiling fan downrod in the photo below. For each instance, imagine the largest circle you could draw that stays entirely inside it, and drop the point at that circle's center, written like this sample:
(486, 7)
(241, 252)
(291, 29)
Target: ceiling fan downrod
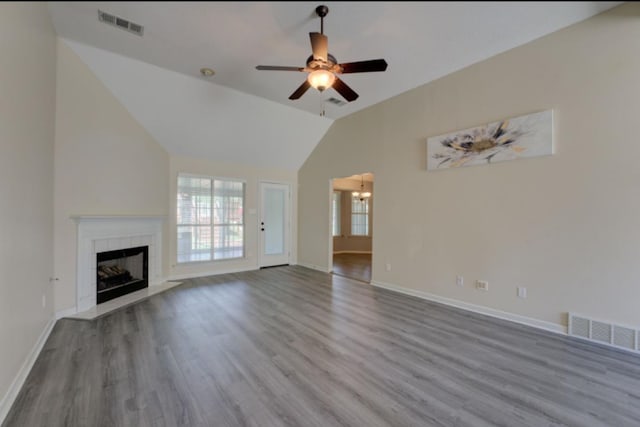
(322, 11)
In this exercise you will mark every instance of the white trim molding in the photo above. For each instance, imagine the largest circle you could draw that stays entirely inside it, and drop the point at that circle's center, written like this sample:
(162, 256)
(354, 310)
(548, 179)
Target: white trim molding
(18, 381)
(99, 233)
(66, 312)
(313, 267)
(540, 324)
(205, 273)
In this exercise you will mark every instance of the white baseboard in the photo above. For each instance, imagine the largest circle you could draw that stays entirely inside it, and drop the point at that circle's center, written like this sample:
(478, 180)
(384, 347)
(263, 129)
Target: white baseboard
(529, 321)
(352, 252)
(18, 382)
(313, 267)
(66, 312)
(177, 277)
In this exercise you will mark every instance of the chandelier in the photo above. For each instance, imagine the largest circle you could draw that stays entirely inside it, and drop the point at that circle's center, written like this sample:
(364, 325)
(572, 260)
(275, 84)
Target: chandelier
(361, 195)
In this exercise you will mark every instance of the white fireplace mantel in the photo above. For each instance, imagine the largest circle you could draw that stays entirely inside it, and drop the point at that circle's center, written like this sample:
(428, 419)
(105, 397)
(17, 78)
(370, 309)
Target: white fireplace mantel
(100, 233)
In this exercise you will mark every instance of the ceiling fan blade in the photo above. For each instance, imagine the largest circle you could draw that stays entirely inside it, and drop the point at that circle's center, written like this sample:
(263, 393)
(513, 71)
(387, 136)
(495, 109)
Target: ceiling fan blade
(364, 66)
(278, 68)
(319, 46)
(344, 90)
(301, 90)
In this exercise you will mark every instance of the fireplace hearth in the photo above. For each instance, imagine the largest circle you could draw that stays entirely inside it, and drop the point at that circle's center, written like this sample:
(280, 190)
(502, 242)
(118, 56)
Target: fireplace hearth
(121, 272)
(101, 233)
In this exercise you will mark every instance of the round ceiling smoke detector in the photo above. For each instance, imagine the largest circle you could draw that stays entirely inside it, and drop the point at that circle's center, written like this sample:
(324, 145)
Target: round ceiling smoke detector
(207, 72)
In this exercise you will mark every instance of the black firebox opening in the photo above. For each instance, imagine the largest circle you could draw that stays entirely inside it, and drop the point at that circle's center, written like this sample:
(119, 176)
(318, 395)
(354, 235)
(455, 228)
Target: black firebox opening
(121, 272)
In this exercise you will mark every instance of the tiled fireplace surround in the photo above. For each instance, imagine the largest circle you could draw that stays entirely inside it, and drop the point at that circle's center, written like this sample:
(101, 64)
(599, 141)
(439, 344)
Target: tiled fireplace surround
(106, 233)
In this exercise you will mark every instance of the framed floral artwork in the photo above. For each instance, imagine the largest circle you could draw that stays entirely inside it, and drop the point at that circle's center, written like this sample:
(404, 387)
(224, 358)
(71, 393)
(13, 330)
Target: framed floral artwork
(518, 137)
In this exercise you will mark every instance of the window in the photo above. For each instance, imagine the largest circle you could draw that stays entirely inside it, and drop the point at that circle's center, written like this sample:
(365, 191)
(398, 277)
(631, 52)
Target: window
(210, 218)
(335, 213)
(359, 217)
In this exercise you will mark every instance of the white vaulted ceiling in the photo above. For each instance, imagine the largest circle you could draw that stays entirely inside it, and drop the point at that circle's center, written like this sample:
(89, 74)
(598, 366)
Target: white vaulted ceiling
(244, 115)
(193, 118)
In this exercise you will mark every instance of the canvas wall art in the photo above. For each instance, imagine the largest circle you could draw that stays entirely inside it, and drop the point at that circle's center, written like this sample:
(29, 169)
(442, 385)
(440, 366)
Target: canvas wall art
(515, 138)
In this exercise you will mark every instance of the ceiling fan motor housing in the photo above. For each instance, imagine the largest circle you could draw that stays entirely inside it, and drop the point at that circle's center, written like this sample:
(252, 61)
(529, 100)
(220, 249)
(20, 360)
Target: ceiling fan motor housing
(319, 64)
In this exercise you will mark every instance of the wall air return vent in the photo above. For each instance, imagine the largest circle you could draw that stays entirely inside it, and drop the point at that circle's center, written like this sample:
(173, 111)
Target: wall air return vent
(624, 337)
(604, 332)
(121, 23)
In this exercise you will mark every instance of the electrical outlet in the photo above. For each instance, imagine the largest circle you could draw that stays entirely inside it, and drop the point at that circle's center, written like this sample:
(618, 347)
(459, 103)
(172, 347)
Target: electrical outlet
(522, 292)
(459, 280)
(388, 267)
(482, 285)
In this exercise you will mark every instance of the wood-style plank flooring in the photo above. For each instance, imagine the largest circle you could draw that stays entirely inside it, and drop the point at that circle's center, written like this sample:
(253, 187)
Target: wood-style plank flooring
(290, 346)
(353, 266)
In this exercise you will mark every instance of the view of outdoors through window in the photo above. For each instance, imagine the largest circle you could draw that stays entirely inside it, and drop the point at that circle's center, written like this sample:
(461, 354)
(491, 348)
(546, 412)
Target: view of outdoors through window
(359, 217)
(335, 213)
(210, 219)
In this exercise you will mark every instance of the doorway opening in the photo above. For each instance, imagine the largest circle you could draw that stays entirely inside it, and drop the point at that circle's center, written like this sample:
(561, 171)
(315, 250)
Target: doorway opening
(351, 239)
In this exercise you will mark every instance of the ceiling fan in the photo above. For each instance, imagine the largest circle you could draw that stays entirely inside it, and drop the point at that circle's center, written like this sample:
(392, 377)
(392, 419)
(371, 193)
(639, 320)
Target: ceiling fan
(323, 67)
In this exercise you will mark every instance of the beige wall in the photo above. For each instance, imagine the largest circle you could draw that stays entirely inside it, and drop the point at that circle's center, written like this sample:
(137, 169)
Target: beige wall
(27, 118)
(252, 176)
(564, 226)
(106, 164)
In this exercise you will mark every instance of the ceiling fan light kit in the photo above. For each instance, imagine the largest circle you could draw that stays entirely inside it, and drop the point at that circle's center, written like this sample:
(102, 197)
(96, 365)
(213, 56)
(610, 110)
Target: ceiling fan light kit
(321, 79)
(323, 67)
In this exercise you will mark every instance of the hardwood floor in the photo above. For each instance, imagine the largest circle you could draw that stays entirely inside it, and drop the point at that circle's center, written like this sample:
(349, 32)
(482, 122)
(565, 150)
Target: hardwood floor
(354, 266)
(290, 346)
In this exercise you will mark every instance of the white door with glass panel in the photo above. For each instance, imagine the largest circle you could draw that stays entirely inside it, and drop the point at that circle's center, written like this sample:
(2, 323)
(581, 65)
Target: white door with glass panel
(274, 226)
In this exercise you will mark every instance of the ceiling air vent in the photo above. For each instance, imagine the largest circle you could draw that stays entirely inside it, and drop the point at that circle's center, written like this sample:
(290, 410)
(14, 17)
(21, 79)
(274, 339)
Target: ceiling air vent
(122, 23)
(336, 101)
